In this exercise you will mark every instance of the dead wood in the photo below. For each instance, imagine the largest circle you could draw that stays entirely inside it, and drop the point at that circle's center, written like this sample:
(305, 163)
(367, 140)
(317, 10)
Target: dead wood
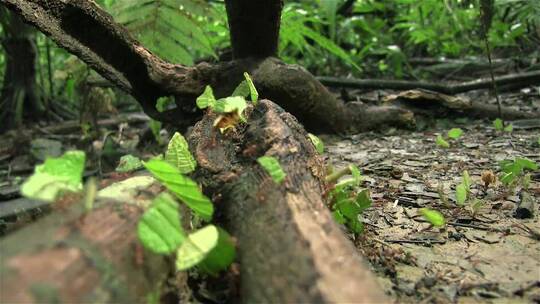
(439, 105)
(72, 257)
(290, 249)
(522, 79)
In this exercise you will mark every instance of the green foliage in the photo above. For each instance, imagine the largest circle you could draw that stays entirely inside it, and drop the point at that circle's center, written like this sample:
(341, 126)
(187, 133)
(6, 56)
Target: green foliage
(170, 28)
(247, 88)
(231, 104)
(317, 142)
(434, 217)
(513, 171)
(183, 187)
(498, 124)
(348, 202)
(441, 142)
(159, 229)
(210, 247)
(271, 165)
(455, 133)
(178, 154)
(129, 163)
(463, 189)
(207, 98)
(295, 33)
(55, 176)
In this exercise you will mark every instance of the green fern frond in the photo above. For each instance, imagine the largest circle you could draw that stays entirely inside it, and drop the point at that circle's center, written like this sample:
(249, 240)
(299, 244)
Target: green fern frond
(169, 28)
(295, 33)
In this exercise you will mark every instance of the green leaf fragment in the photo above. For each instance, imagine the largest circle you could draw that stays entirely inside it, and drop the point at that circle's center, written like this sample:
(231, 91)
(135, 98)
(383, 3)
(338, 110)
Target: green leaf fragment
(221, 256)
(159, 229)
(241, 90)
(178, 154)
(129, 163)
(498, 124)
(455, 133)
(272, 167)
(55, 176)
(461, 194)
(509, 128)
(441, 142)
(317, 142)
(433, 216)
(206, 99)
(252, 90)
(231, 104)
(466, 178)
(196, 247)
(183, 187)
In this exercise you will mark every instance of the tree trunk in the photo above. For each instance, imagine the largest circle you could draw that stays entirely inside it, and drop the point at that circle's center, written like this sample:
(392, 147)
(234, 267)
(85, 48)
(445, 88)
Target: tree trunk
(254, 27)
(19, 95)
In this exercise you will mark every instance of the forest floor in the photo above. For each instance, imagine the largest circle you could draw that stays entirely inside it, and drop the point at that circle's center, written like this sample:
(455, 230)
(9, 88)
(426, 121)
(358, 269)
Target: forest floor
(488, 251)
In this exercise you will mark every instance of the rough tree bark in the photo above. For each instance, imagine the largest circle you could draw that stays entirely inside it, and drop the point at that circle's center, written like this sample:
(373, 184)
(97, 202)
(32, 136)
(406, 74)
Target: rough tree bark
(73, 257)
(19, 95)
(290, 249)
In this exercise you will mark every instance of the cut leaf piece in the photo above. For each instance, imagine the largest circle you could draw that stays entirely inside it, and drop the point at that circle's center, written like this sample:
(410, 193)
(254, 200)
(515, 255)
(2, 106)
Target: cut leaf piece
(467, 180)
(498, 124)
(461, 194)
(221, 257)
(317, 142)
(183, 187)
(434, 217)
(455, 133)
(54, 176)
(178, 154)
(241, 90)
(441, 142)
(206, 99)
(272, 167)
(232, 104)
(252, 90)
(196, 247)
(159, 229)
(129, 163)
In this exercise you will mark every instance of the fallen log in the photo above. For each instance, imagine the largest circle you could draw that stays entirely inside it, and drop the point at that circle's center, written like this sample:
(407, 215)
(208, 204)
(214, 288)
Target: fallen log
(290, 249)
(522, 79)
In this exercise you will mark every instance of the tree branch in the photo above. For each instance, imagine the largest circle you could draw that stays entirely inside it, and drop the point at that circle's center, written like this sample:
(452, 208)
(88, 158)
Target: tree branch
(88, 32)
(523, 79)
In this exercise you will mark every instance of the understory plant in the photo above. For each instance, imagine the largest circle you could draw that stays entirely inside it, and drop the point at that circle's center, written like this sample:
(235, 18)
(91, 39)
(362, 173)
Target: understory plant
(347, 200)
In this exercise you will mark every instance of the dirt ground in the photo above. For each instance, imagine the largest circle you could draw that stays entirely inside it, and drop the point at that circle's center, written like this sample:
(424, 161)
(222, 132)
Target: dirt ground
(492, 256)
